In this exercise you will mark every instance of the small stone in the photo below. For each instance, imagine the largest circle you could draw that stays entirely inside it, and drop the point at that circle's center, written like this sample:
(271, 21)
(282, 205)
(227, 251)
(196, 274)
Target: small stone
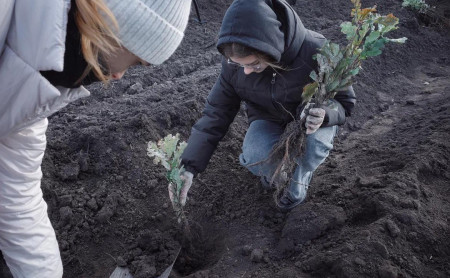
(64, 245)
(406, 218)
(135, 88)
(381, 249)
(359, 262)
(348, 248)
(365, 233)
(83, 162)
(92, 204)
(393, 229)
(146, 271)
(387, 271)
(412, 236)
(414, 193)
(137, 252)
(121, 262)
(415, 204)
(69, 172)
(152, 183)
(257, 255)
(410, 102)
(65, 215)
(246, 250)
(65, 201)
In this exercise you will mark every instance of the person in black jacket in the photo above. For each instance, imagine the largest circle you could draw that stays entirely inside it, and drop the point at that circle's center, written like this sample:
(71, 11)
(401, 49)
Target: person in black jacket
(267, 59)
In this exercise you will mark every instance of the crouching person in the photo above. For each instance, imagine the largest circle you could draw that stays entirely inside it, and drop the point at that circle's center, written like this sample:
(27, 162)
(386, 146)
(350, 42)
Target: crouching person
(267, 60)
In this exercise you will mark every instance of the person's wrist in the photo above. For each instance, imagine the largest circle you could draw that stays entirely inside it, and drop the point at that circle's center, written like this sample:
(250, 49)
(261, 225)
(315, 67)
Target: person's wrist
(191, 169)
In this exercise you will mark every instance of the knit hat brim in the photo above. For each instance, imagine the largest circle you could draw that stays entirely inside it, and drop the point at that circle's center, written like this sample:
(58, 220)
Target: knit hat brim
(151, 29)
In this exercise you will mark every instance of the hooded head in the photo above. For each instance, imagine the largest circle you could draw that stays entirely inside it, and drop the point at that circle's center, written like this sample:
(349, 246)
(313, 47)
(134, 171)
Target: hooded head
(269, 26)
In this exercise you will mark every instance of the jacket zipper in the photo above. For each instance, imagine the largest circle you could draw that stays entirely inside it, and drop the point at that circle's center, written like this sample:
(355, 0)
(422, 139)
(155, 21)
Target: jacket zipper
(272, 92)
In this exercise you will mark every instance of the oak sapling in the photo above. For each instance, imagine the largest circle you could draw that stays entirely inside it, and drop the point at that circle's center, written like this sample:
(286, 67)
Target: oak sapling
(167, 152)
(337, 66)
(430, 15)
(417, 5)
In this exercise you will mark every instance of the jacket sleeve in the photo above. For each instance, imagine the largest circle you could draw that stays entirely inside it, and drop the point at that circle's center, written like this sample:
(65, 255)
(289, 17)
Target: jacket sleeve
(221, 107)
(337, 109)
(6, 11)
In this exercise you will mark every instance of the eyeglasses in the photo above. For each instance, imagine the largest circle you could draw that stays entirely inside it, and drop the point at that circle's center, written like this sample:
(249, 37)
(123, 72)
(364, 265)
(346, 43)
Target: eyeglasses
(253, 67)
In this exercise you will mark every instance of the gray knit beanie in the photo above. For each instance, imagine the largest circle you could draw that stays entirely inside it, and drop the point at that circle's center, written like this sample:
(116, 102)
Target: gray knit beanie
(151, 29)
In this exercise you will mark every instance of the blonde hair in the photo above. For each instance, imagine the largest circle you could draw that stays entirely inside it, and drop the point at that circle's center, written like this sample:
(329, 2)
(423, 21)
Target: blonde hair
(94, 20)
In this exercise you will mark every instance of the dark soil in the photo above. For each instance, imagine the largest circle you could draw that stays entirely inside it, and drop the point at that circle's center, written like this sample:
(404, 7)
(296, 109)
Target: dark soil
(378, 207)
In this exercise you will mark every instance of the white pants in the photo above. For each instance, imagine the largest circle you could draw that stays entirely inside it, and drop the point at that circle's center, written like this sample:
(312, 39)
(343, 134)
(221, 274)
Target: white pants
(27, 238)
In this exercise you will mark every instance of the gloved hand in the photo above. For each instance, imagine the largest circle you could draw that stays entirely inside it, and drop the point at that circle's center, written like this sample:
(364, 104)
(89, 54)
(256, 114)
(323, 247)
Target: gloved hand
(186, 177)
(314, 120)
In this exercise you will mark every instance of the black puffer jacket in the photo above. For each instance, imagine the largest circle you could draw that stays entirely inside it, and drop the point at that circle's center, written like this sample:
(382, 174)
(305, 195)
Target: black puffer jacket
(273, 27)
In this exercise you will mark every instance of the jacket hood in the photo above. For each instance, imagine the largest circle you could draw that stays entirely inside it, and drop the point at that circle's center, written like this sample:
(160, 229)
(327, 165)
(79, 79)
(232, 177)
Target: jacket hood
(270, 26)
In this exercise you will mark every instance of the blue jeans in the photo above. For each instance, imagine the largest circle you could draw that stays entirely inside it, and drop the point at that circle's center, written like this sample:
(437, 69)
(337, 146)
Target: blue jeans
(263, 135)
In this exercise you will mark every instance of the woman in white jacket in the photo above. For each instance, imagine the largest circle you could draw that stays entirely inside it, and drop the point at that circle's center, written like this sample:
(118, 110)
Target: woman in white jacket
(48, 50)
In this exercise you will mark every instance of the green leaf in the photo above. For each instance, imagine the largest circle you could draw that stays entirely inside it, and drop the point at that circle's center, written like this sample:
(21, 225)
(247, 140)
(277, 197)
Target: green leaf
(334, 49)
(342, 65)
(313, 76)
(326, 51)
(324, 65)
(373, 36)
(179, 151)
(399, 40)
(169, 144)
(363, 32)
(373, 49)
(354, 71)
(308, 91)
(349, 30)
(168, 152)
(332, 86)
(345, 81)
(371, 53)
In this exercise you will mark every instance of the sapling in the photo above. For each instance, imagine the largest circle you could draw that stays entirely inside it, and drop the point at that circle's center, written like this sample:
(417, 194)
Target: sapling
(167, 152)
(427, 13)
(417, 5)
(366, 35)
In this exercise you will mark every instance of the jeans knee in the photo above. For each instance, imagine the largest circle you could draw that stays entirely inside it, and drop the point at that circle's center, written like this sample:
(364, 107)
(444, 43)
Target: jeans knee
(257, 165)
(248, 163)
(322, 139)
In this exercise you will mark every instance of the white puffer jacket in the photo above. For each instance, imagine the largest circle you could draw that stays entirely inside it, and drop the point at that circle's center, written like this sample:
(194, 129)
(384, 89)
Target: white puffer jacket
(32, 39)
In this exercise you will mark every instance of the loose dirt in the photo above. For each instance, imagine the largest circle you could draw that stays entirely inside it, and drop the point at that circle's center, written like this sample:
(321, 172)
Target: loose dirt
(378, 207)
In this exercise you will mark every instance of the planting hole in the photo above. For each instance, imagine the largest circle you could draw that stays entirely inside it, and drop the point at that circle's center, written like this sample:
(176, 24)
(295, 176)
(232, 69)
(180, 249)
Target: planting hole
(203, 250)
